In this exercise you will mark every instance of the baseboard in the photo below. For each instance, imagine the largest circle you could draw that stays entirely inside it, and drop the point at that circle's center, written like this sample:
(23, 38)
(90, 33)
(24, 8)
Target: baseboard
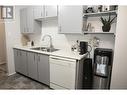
(11, 74)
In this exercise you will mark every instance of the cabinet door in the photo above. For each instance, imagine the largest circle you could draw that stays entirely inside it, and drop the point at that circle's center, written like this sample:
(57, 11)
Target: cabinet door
(23, 62)
(32, 65)
(43, 69)
(30, 20)
(38, 12)
(17, 60)
(20, 58)
(23, 20)
(50, 11)
(70, 19)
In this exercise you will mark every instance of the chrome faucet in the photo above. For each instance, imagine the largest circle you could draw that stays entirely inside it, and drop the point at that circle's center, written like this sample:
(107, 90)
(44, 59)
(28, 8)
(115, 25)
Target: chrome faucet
(51, 46)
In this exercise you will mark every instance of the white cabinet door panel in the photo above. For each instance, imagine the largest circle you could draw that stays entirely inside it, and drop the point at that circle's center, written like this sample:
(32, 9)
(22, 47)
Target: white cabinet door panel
(70, 19)
(38, 12)
(50, 11)
(30, 21)
(27, 21)
(23, 20)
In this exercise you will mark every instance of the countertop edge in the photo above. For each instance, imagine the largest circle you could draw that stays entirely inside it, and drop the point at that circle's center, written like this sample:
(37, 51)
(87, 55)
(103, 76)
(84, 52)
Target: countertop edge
(51, 54)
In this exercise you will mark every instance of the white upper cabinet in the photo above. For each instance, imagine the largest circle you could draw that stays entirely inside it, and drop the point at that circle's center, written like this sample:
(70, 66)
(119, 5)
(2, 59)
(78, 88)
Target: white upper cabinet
(38, 12)
(23, 20)
(70, 19)
(27, 22)
(50, 11)
(30, 21)
(41, 12)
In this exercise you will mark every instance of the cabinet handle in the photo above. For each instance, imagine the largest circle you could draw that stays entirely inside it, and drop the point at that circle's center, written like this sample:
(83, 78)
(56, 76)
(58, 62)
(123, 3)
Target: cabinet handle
(17, 53)
(39, 58)
(62, 59)
(20, 53)
(34, 57)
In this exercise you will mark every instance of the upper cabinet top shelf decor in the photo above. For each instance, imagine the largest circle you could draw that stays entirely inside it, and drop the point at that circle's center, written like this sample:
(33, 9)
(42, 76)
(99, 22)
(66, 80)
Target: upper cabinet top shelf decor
(99, 10)
(104, 19)
(100, 14)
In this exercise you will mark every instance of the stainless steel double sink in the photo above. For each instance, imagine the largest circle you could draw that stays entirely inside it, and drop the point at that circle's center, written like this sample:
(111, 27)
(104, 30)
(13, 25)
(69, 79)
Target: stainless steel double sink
(46, 49)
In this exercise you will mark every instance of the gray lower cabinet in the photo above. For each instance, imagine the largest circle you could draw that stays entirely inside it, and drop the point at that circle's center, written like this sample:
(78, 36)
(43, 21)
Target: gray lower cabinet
(17, 60)
(20, 58)
(43, 69)
(32, 65)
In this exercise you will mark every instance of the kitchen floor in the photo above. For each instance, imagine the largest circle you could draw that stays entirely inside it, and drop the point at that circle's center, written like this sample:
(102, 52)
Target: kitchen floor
(18, 81)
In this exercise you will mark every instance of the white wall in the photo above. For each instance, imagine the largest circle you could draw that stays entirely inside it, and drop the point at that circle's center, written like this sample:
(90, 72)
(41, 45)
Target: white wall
(2, 43)
(65, 41)
(12, 29)
(119, 72)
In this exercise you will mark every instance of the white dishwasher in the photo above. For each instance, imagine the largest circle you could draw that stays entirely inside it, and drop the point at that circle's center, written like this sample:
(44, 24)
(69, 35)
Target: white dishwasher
(62, 73)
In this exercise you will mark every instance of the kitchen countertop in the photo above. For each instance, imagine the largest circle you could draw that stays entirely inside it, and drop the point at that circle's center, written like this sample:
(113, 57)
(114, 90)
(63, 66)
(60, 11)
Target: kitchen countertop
(60, 53)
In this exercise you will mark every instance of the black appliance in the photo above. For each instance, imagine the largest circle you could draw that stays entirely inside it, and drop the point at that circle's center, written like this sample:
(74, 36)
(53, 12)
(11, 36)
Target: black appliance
(83, 47)
(87, 74)
(102, 68)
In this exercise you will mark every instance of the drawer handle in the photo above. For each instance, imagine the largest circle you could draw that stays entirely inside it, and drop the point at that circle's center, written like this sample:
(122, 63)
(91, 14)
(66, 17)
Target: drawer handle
(62, 59)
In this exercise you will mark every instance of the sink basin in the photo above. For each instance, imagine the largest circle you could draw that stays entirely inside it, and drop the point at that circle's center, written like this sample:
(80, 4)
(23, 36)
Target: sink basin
(45, 49)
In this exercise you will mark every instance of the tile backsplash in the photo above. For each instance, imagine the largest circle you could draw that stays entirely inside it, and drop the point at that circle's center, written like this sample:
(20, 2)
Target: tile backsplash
(63, 41)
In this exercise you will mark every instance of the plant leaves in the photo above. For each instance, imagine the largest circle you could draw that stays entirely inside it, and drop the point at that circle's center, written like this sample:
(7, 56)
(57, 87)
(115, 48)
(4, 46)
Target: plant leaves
(109, 18)
(109, 21)
(112, 20)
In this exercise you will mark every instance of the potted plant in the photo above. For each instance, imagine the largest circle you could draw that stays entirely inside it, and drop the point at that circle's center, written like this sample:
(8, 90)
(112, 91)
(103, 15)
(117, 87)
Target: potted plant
(107, 23)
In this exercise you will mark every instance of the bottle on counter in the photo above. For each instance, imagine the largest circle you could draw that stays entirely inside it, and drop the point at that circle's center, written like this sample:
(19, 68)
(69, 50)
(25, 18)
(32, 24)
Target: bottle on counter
(75, 47)
(32, 43)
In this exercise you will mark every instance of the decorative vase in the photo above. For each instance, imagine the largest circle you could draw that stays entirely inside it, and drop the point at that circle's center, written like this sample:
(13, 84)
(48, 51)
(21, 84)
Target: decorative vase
(106, 28)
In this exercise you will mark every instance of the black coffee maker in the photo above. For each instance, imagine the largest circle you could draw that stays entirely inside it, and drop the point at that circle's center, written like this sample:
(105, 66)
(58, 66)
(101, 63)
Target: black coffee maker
(83, 47)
